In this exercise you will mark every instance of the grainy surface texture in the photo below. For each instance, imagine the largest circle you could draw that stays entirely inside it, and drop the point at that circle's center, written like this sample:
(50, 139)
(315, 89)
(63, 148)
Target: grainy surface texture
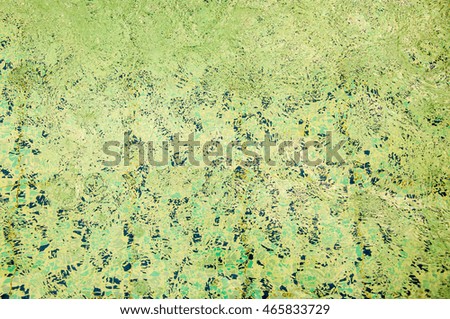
(75, 74)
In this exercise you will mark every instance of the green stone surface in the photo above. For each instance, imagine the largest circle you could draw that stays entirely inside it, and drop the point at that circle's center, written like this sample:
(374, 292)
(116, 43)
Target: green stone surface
(75, 74)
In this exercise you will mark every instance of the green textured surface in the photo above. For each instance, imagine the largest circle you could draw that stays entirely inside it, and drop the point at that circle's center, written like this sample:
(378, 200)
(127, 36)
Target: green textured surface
(74, 74)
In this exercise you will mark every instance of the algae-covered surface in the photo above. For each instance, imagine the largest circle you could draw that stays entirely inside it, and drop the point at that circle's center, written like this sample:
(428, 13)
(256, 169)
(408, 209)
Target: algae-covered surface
(76, 74)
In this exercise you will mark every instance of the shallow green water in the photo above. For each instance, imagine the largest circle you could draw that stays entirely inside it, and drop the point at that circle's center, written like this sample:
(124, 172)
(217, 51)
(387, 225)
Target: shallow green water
(75, 74)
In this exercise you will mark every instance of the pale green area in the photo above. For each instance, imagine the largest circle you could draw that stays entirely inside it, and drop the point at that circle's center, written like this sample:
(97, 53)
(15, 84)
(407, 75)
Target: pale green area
(74, 74)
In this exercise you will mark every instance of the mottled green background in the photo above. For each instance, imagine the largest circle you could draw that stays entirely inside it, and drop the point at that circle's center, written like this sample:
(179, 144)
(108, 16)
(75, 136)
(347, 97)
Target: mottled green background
(74, 74)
